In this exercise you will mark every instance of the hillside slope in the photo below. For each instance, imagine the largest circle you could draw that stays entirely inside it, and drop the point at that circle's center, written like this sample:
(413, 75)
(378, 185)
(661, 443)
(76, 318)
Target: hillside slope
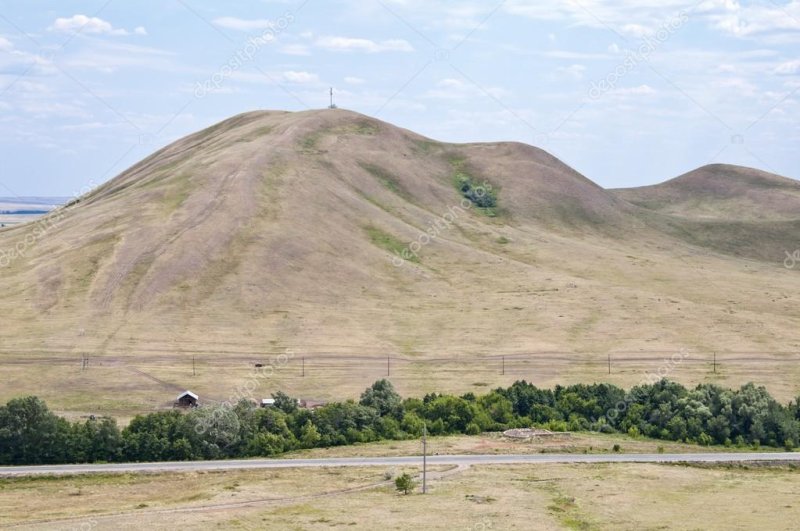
(275, 229)
(722, 192)
(731, 209)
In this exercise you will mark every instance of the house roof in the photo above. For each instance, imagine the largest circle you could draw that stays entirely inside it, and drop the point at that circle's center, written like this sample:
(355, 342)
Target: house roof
(188, 393)
(268, 401)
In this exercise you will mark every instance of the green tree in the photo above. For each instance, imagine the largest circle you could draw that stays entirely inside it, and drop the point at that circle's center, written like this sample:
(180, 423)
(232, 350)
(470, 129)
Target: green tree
(265, 444)
(383, 398)
(217, 430)
(309, 436)
(31, 434)
(405, 483)
(285, 403)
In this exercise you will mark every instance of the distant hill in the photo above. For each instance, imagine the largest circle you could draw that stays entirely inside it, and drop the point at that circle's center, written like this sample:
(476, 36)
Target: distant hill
(722, 192)
(25, 205)
(332, 232)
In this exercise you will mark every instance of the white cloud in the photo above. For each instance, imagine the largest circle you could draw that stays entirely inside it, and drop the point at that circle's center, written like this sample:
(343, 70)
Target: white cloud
(636, 30)
(349, 44)
(350, 80)
(637, 14)
(295, 49)
(112, 56)
(5, 44)
(641, 90)
(572, 71)
(775, 21)
(85, 24)
(241, 24)
(455, 89)
(274, 77)
(788, 68)
(299, 77)
(567, 54)
(757, 19)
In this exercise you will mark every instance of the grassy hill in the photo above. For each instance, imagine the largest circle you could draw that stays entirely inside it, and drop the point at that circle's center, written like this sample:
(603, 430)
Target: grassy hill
(334, 234)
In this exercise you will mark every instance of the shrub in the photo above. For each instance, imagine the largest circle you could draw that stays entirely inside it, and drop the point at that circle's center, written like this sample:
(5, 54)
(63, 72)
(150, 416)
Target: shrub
(404, 483)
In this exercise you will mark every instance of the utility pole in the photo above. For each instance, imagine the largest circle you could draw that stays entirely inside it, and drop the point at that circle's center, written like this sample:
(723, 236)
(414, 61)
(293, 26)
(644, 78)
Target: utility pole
(388, 366)
(609, 363)
(715, 363)
(425, 458)
(332, 105)
(504, 365)
(304, 367)
(194, 370)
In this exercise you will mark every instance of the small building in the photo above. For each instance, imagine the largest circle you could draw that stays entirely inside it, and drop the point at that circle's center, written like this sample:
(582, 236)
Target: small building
(187, 399)
(267, 402)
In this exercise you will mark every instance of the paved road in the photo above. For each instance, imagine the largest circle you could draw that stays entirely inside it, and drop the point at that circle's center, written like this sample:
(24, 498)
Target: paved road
(531, 459)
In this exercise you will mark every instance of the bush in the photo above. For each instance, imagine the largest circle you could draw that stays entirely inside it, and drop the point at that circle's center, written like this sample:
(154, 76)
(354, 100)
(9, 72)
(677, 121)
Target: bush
(404, 483)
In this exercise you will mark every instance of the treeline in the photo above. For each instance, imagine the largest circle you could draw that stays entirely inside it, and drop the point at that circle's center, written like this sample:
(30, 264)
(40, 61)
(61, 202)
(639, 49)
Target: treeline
(708, 414)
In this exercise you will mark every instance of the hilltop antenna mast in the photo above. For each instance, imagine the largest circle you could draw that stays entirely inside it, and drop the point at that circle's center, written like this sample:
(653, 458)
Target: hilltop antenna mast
(332, 105)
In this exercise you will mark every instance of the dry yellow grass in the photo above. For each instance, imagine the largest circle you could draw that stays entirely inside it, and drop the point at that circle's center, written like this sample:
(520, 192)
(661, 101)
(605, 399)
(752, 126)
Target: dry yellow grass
(495, 443)
(608, 496)
(128, 386)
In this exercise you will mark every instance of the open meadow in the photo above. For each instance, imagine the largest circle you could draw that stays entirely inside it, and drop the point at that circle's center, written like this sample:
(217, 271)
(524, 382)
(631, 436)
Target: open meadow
(546, 496)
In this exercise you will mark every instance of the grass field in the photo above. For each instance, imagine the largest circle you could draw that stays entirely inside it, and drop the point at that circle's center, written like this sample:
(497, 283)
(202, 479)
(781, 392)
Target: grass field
(125, 386)
(584, 497)
(495, 443)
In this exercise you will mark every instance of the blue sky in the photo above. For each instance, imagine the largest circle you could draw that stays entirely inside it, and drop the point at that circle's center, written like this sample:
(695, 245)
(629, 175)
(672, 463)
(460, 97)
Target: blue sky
(627, 92)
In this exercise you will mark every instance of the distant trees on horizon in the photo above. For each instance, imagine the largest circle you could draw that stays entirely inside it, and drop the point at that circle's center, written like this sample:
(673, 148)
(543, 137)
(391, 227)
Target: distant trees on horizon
(708, 414)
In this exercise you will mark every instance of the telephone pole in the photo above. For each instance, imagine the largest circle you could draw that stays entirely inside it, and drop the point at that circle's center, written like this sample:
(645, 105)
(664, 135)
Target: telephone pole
(425, 458)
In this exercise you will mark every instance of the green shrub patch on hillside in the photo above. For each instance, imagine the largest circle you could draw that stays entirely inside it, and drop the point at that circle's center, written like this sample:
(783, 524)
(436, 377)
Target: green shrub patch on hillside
(480, 193)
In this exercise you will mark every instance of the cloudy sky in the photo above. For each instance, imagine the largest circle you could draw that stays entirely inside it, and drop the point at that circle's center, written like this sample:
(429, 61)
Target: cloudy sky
(629, 92)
